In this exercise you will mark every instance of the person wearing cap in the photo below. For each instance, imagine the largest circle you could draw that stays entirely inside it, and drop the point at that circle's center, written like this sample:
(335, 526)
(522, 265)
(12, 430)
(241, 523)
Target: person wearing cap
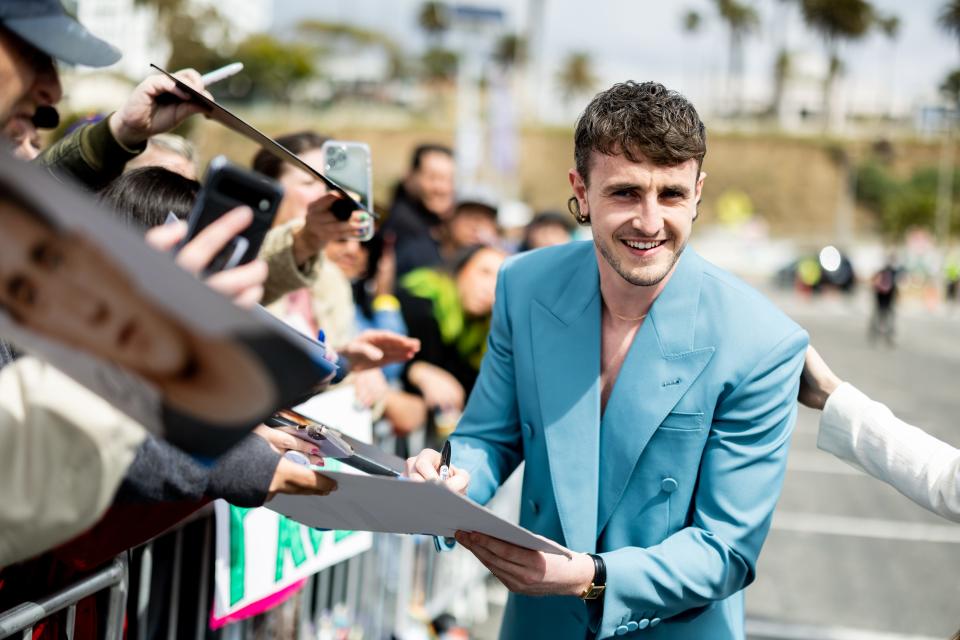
(33, 34)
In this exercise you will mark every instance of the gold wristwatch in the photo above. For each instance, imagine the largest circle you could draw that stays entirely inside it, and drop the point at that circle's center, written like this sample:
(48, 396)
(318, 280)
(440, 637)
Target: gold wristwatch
(599, 583)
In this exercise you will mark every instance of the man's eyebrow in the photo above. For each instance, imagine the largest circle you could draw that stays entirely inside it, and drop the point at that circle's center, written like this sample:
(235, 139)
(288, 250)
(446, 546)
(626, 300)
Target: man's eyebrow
(680, 189)
(622, 186)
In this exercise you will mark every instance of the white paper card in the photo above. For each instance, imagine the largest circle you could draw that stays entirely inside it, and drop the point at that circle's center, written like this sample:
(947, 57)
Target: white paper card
(391, 505)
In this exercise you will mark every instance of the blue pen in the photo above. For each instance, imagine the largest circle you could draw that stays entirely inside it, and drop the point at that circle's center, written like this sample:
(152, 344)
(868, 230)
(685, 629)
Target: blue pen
(321, 336)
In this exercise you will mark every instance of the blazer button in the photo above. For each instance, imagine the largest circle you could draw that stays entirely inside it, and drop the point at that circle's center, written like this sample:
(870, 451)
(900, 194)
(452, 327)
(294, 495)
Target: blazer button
(654, 622)
(528, 430)
(669, 485)
(621, 630)
(534, 507)
(643, 624)
(632, 626)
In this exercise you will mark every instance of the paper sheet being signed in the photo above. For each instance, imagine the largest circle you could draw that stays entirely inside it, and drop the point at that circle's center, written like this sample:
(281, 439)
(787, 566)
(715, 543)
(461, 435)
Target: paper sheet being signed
(390, 505)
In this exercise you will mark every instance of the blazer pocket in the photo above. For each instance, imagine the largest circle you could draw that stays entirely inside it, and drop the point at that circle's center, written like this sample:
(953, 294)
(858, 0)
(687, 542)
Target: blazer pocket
(682, 421)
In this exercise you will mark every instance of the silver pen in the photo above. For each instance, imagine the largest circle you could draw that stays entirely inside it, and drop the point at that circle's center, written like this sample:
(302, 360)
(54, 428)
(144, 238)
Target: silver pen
(212, 77)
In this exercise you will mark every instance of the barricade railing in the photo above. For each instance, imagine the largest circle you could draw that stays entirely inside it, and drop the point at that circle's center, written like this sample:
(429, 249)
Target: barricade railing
(113, 578)
(397, 586)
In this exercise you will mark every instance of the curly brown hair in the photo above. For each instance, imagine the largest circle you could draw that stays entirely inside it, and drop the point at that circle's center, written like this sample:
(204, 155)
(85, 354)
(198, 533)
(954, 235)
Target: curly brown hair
(638, 119)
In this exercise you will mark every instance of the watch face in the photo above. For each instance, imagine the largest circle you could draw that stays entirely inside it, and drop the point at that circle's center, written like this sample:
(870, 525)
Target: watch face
(592, 592)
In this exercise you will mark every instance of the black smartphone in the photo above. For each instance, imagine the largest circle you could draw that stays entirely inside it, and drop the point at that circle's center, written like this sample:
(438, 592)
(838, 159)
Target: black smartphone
(225, 187)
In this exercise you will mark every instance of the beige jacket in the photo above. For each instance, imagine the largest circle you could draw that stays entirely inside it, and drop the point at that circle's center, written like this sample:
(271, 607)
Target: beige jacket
(283, 274)
(331, 298)
(63, 453)
(866, 434)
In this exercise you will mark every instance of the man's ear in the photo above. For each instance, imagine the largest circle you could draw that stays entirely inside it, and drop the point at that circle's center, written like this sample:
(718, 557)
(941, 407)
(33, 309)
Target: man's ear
(579, 190)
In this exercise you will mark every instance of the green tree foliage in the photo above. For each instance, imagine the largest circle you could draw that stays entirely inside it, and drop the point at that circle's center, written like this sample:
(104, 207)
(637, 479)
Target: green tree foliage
(949, 18)
(576, 76)
(274, 67)
(439, 64)
(691, 21)
(510, 50)
(434, 19)
(900, 205)
(838, 21)
(185, 30)
(951, 88)
(741, 20)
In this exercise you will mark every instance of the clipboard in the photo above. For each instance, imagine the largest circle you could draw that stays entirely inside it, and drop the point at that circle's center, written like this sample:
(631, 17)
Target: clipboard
(224, 116)
(333, 443)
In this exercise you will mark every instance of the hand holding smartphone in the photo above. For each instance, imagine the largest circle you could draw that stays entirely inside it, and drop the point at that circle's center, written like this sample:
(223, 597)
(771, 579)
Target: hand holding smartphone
(225, 187)
(349, 165)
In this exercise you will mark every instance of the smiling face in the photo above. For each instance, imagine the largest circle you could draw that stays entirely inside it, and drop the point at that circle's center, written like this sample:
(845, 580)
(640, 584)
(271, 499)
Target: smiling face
(641, 213)
(350, 255)
(433, 182)
(60, 287)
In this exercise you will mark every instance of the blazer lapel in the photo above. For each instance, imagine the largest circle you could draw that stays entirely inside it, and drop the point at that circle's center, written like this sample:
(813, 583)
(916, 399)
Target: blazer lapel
(659, 368)
(566, 348)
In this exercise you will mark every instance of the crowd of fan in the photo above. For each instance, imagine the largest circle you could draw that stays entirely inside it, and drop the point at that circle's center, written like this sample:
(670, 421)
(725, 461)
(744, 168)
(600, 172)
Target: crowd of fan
(75, 493)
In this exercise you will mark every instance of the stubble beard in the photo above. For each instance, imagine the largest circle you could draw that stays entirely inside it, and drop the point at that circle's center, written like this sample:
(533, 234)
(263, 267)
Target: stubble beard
(637, 280)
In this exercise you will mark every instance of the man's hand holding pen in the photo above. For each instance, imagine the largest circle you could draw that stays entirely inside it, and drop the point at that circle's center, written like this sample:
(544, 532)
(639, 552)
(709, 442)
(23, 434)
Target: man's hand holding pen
(426, 466)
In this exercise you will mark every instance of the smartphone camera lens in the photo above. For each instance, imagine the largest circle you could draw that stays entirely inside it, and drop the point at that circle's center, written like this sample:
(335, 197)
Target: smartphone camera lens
(336, 158)
(264, 205)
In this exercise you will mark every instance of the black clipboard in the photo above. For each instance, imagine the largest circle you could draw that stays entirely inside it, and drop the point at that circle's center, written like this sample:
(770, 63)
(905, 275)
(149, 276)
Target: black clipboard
(224, 116)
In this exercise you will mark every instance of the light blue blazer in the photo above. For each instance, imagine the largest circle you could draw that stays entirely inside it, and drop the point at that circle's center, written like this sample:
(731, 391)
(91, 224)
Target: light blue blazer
(676, 484)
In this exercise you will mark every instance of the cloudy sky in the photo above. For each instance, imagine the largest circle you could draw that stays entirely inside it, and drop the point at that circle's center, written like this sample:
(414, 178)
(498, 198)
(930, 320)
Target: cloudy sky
(643, 39)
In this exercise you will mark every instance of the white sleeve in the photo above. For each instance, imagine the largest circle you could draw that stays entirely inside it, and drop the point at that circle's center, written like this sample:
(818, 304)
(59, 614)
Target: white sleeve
(867, 434)
(63, 453)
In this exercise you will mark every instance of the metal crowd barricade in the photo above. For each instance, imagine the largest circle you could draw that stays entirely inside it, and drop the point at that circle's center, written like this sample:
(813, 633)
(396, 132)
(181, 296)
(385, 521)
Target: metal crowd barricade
(394, 589)
(22, 618)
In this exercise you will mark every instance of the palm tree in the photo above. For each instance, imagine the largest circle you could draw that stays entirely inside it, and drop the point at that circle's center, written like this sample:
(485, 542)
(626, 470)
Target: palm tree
(951, 88)
(742, 20)
(510, 50)
(691, 21)
(836, 21)
(434, 19)
(576, 76)
(949, 18)
(781, 74)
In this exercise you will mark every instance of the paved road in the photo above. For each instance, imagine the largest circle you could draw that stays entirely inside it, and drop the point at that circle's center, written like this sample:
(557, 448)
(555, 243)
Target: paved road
(846, 551)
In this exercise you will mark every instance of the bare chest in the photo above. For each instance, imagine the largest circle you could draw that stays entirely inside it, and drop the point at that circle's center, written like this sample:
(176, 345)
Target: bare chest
(615, 343)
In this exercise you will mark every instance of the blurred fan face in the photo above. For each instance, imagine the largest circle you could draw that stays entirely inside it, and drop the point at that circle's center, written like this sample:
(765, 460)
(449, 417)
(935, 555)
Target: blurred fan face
(350, 256)
(477, 281)
(300, 189)
(547, 235)
(433, 183)
(470, 226)
(29, 80)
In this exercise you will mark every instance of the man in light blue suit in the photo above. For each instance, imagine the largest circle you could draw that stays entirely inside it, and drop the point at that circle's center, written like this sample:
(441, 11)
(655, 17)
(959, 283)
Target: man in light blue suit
(651, 394)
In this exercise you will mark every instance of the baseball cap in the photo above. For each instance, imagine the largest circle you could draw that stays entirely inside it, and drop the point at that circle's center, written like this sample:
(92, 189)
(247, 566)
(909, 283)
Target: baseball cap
(47, 26)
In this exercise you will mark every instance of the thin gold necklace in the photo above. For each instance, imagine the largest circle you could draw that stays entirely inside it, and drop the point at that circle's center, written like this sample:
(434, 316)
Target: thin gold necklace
(626, 319)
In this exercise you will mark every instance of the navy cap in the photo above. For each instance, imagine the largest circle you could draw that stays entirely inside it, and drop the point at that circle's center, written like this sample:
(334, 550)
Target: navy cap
(46, 25)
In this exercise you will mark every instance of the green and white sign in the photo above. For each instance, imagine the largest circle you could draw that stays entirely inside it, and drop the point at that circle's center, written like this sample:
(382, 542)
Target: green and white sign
(261, 556)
